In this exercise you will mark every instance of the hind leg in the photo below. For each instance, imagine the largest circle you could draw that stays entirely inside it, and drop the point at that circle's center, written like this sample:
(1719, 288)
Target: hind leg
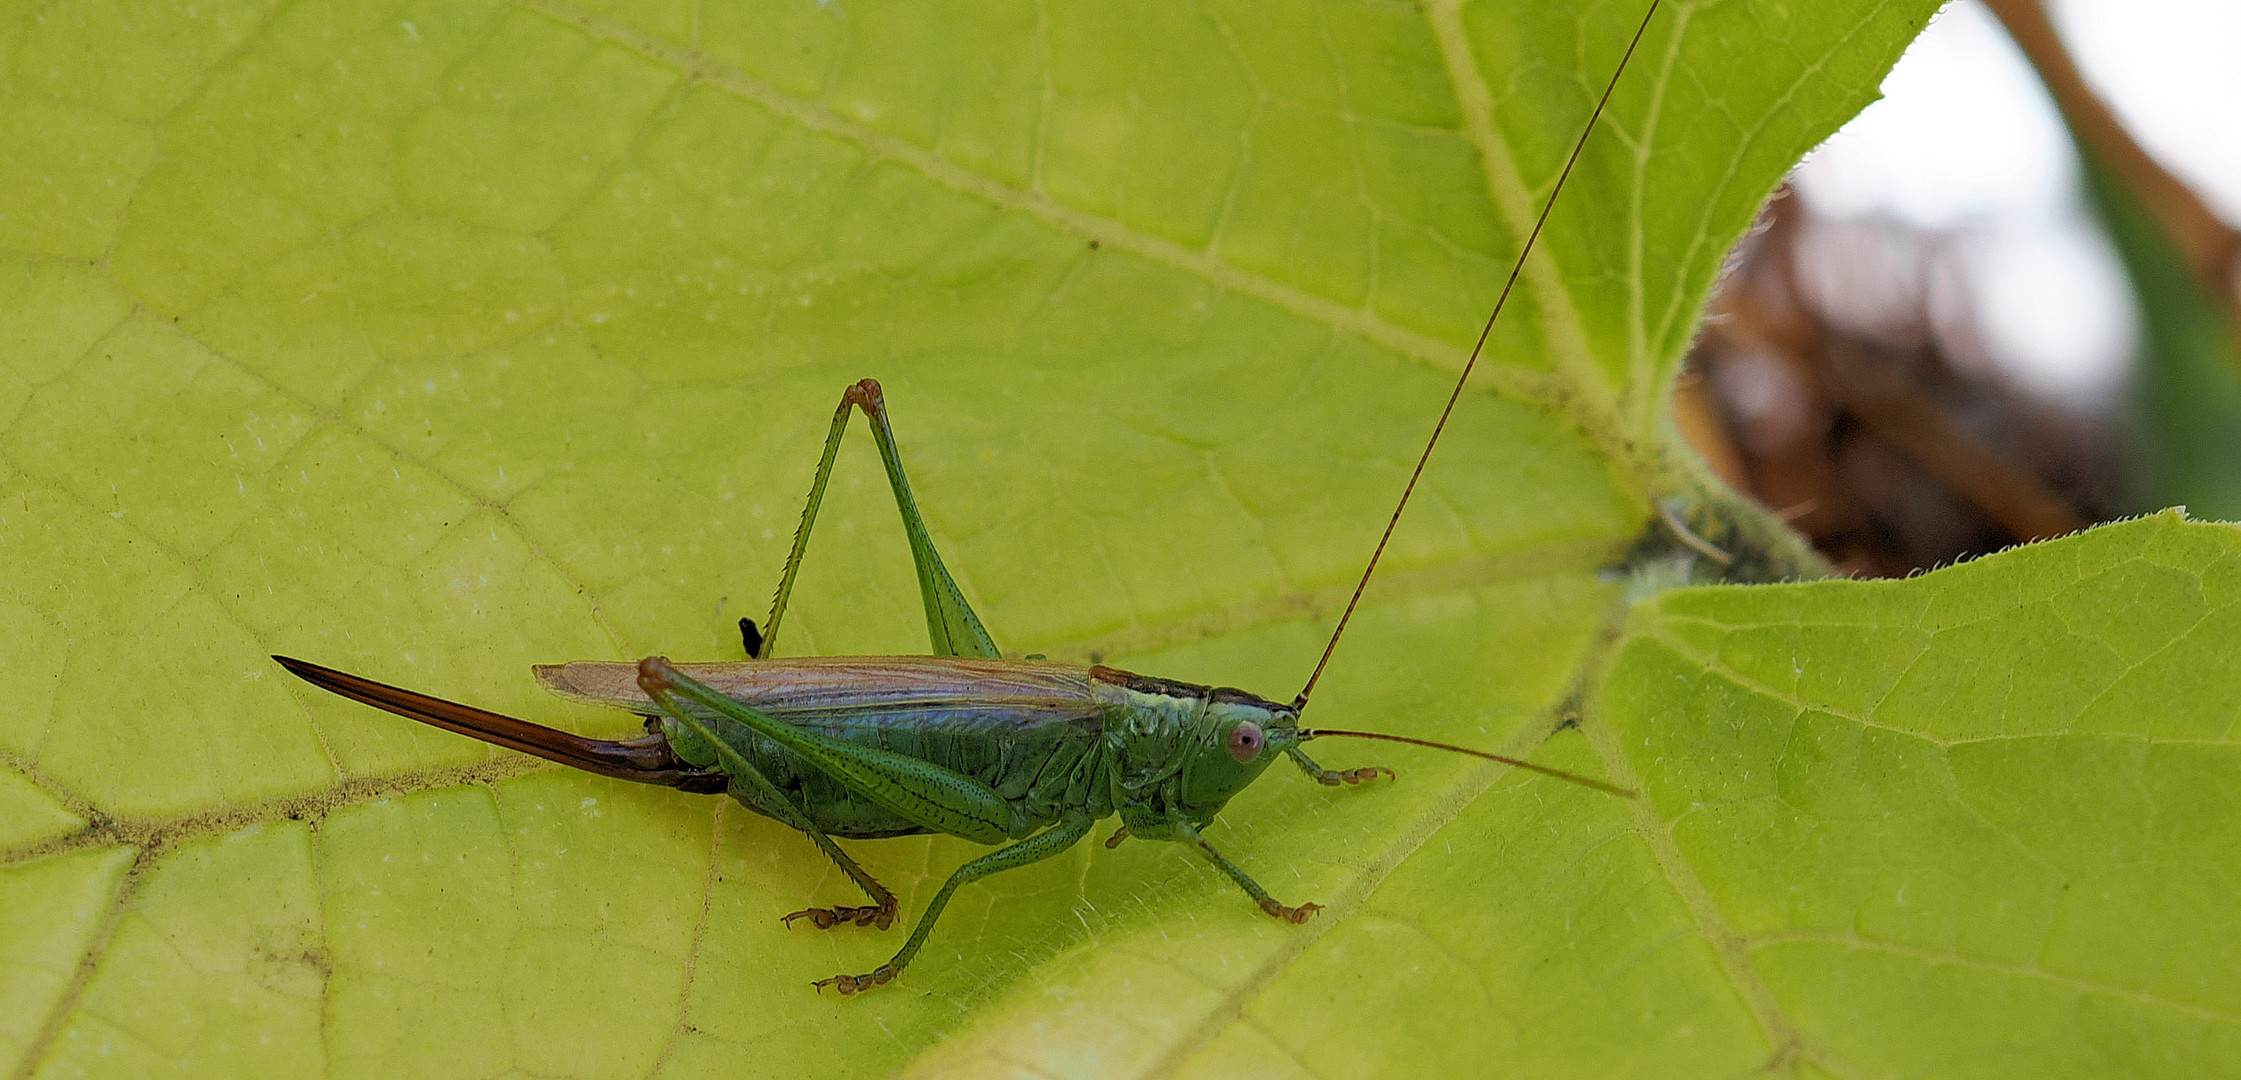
(951, 624)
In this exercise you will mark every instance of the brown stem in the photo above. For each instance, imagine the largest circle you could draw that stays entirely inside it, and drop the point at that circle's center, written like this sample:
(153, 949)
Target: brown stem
(2211, 247)
(1849, 376)
(1919, 427)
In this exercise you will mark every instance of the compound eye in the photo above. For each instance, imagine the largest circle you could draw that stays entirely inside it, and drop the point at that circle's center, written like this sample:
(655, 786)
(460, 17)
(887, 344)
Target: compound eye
(1245, 742)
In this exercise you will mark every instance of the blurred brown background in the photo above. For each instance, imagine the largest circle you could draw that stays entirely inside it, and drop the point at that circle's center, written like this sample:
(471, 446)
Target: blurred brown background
(2000, 305)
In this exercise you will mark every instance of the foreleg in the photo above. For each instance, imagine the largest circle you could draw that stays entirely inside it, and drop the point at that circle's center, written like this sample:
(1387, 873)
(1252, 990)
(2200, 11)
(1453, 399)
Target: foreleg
(1334, 777)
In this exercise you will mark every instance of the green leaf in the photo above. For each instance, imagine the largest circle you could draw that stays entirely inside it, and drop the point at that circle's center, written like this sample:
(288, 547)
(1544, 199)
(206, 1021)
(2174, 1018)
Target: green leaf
(434, 340)
(2187, 393)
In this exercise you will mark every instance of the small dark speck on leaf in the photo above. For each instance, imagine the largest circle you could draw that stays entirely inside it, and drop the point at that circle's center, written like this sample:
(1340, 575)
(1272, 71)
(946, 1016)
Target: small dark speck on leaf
(1093, 245)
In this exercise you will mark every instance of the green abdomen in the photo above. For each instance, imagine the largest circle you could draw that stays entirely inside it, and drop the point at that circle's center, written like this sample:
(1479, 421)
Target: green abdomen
(1038, 762)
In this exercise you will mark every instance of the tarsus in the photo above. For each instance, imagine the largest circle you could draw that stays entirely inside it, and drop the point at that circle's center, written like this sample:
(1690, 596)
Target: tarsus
(1516, 268)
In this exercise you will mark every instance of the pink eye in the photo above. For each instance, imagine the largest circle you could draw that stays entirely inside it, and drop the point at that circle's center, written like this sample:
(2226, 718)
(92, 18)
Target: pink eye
(1245, 742)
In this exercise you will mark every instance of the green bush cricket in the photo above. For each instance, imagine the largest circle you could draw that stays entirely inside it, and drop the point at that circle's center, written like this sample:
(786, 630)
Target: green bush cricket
(1026, 753)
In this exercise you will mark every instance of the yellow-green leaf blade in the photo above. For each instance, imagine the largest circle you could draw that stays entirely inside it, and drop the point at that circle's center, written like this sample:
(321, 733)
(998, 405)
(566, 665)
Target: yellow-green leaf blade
(434, 340)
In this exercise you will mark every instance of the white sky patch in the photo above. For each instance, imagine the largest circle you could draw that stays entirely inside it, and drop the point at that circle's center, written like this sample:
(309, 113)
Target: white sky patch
(1964, 132)
(2054, 306)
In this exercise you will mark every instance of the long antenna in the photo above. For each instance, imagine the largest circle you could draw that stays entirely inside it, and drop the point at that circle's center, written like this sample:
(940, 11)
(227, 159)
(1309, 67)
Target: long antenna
(1516, 268)
(1587, 781)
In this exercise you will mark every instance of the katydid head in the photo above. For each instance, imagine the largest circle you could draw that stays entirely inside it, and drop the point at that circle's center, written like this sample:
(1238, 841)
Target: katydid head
(1241, 735)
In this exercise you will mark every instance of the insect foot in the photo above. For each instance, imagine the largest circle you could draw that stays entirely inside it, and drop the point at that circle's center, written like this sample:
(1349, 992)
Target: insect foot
(1356, 776)
(857, 984)
(826, 918)
(1293, 915)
